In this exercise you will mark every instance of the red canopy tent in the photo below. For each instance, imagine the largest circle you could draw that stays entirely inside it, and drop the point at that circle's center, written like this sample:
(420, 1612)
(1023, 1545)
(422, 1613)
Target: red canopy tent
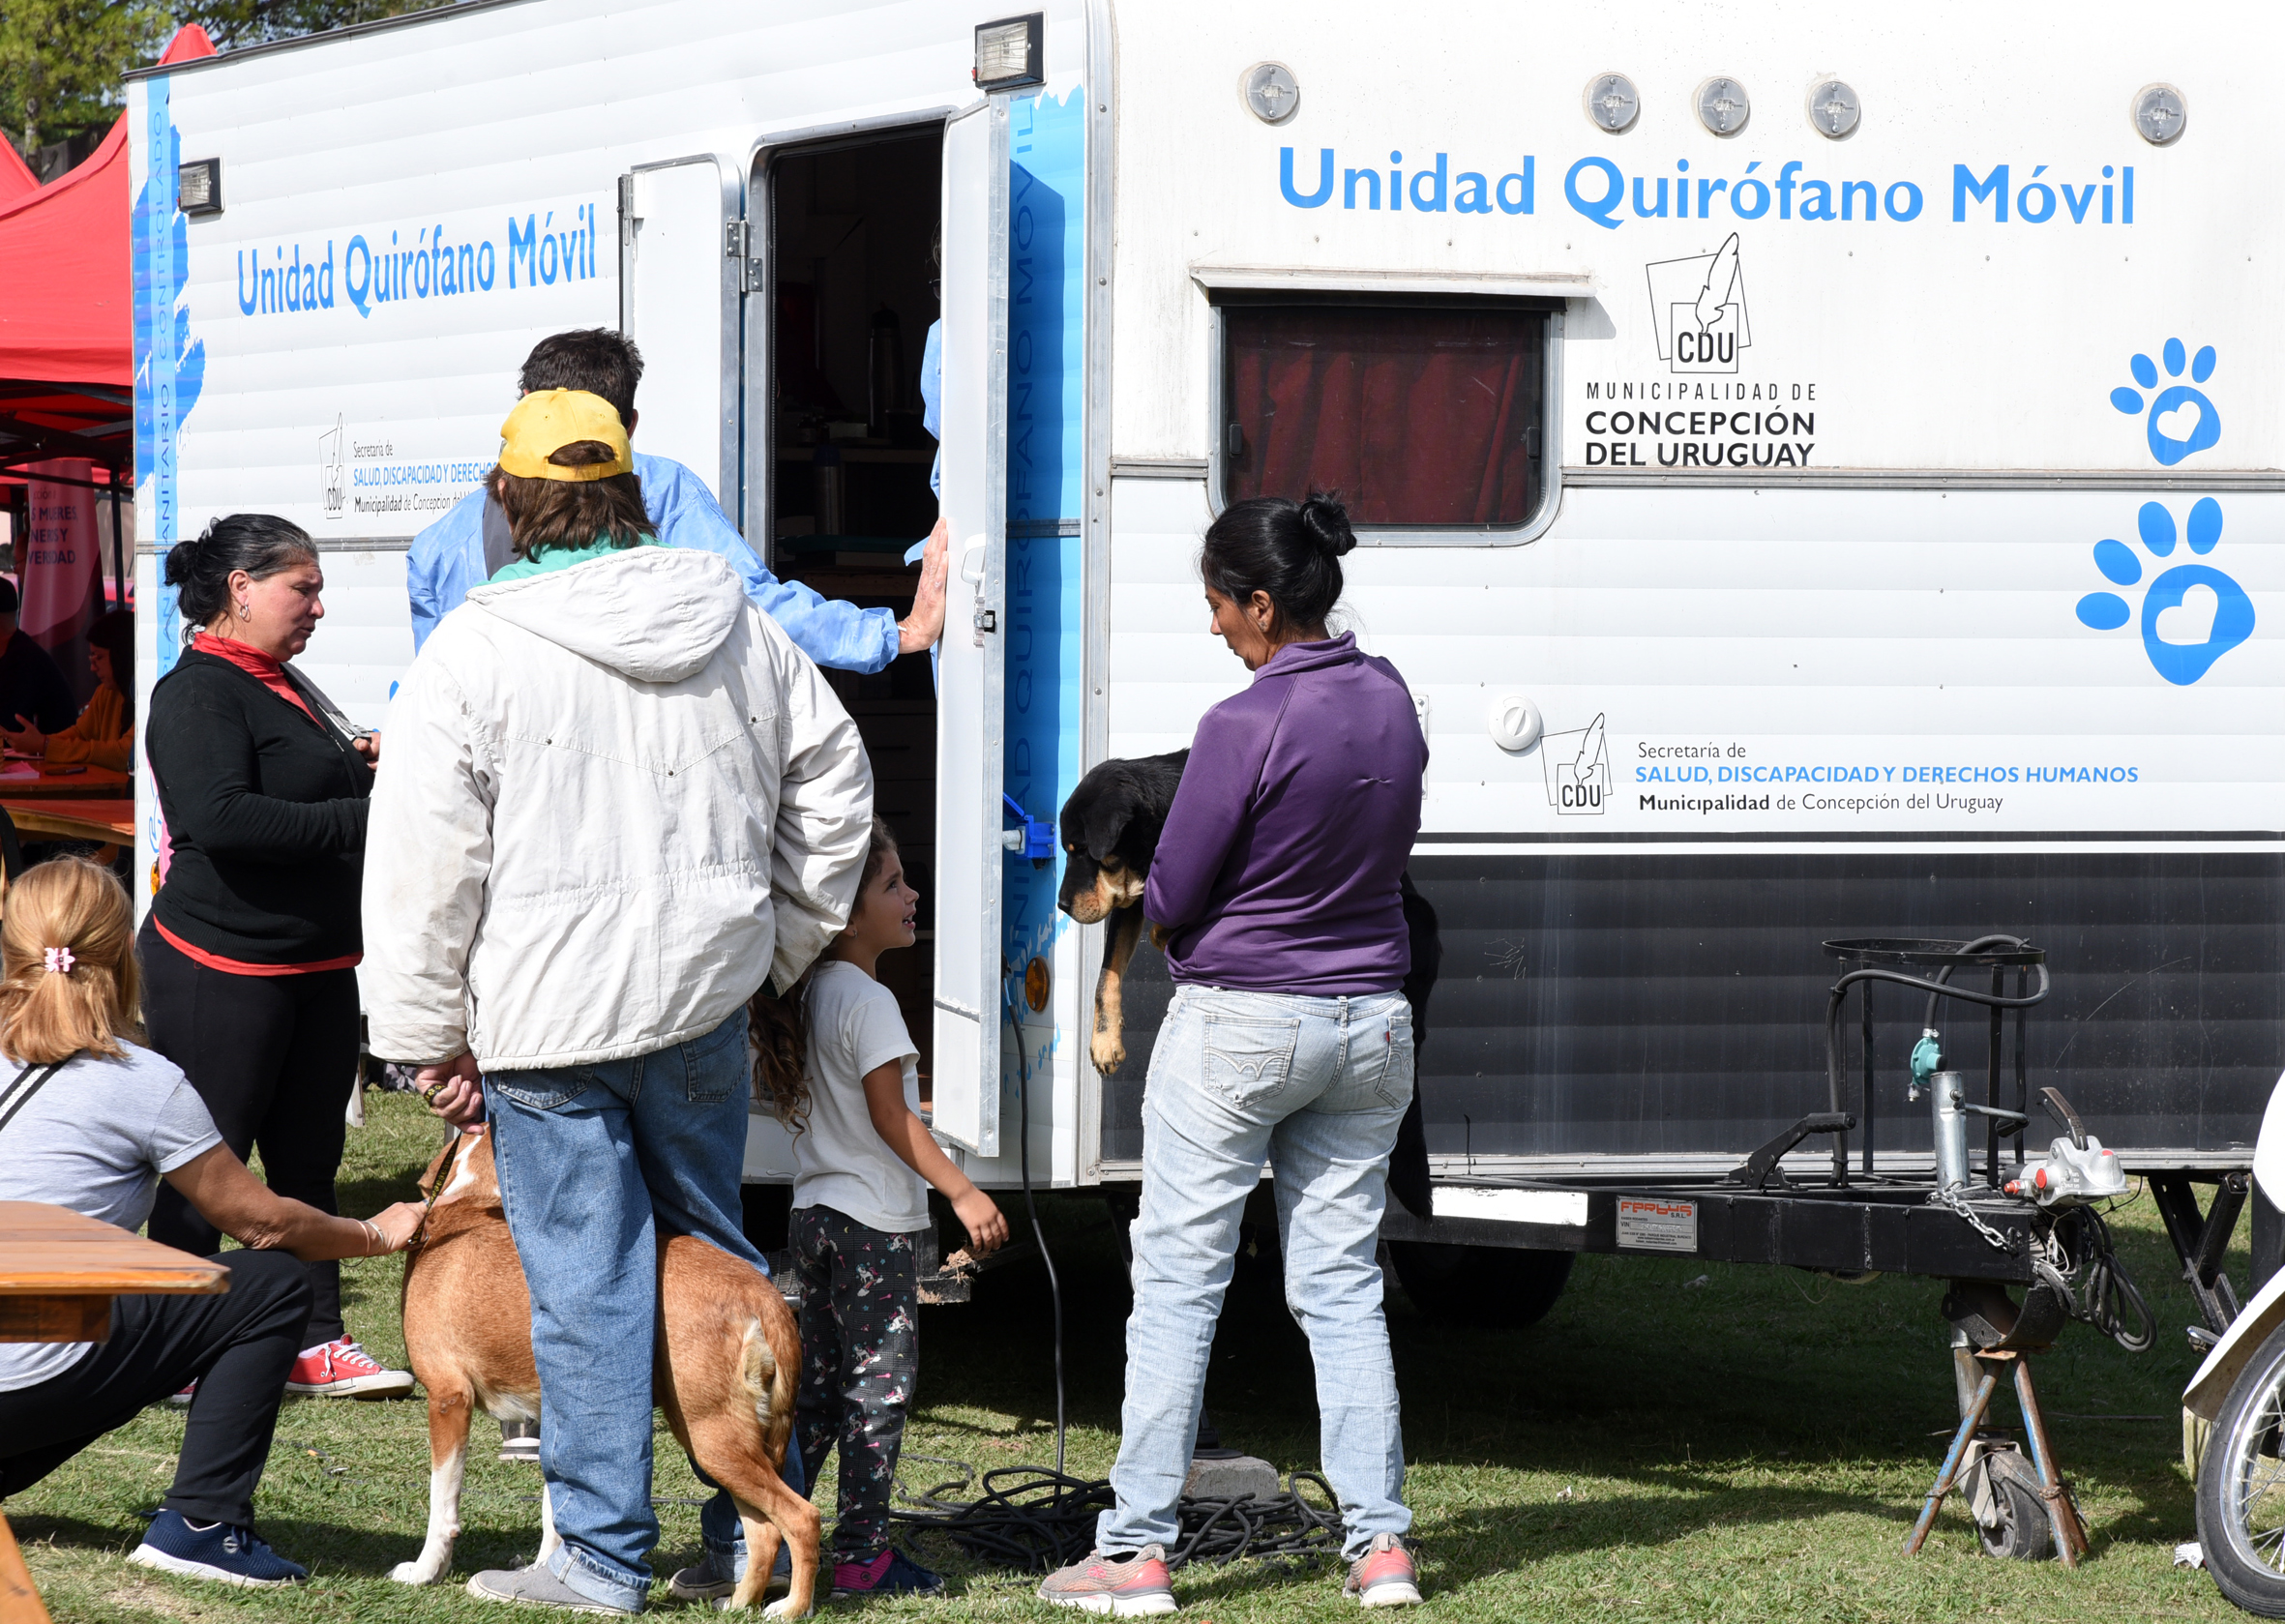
(15, 175)
(67, 315)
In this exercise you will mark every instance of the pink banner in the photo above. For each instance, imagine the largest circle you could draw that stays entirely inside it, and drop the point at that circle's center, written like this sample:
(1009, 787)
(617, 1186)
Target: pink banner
(59, 566)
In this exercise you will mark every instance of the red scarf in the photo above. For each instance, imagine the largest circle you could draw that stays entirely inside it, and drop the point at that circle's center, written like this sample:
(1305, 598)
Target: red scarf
(270, 674)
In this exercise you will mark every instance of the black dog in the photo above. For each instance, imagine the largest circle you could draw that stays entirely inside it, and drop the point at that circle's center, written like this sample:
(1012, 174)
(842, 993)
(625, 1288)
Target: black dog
(1111, 828)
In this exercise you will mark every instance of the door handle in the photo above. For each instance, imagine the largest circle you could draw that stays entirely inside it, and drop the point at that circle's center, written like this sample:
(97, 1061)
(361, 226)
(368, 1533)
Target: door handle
(971, 563)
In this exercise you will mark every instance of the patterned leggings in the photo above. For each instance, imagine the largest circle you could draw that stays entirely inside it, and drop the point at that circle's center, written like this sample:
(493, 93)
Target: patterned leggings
(860, 1352)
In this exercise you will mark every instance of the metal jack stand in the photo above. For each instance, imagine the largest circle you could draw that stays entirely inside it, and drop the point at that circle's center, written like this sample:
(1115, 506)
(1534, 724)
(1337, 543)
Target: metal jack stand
(2062, 1518)
(1997, 1336)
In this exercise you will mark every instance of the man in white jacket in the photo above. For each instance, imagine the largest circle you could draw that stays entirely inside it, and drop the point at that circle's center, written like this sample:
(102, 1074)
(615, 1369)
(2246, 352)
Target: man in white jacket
(614, 798)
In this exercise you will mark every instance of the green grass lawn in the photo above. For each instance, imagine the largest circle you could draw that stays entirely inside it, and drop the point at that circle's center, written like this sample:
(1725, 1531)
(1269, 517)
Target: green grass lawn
(1676, 1441)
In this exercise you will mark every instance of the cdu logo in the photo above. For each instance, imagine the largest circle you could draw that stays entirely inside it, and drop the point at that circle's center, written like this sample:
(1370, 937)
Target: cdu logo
(1578, 768)
(1697, 307)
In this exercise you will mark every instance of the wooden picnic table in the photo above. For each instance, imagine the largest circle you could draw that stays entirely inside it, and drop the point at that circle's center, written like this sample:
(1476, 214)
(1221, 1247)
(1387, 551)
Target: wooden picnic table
(58, 1274)
(105, 821)
(29, 781)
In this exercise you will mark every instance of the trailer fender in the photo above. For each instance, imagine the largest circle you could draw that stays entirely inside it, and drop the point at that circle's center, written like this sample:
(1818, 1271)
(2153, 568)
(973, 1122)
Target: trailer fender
(2203, 1396)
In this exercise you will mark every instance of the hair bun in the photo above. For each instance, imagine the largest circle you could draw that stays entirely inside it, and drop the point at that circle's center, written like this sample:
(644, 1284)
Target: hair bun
(1327, 519)
(182, 558)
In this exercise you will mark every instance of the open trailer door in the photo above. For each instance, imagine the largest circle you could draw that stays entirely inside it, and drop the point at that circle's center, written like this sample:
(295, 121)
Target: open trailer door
(969, 718)
(682, 263)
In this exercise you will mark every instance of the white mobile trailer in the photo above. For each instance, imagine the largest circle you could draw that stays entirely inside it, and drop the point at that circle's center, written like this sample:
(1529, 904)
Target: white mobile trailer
(1815, 467)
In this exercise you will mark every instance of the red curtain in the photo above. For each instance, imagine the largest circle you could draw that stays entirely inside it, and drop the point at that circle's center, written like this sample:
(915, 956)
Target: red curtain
(1415, 416)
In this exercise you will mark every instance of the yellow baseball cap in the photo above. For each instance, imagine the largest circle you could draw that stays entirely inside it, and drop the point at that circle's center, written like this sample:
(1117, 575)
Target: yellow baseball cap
(547, 420)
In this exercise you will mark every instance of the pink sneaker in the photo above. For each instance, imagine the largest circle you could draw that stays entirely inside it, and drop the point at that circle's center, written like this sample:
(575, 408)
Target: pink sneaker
(1384, 1576)
(341, 1369)
(1130, 1587)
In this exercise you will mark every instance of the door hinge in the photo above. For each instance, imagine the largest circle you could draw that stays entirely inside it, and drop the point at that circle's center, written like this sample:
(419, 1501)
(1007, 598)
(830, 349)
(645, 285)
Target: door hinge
(737, 242)
(626, 210)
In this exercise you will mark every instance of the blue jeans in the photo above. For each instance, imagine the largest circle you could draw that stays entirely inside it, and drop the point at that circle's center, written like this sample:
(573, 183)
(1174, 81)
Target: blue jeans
(591, 1159)
(1316, 1087)
(724, 1533)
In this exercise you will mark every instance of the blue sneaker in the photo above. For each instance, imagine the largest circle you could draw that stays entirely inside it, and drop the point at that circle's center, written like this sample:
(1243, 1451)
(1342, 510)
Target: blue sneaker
(890, 1574)
(216, 1552)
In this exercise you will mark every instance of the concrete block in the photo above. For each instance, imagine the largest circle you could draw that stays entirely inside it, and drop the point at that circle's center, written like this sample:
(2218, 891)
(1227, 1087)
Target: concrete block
(1230, 1476)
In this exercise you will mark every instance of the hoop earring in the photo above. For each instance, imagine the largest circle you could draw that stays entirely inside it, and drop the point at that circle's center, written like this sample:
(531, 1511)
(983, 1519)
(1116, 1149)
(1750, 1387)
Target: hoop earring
(243, 614)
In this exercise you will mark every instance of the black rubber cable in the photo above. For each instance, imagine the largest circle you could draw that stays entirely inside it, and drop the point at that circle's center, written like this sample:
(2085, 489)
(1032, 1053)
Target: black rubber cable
(1007, 999)
(1029, 1518)
(1944, 976)
(2101, 1294)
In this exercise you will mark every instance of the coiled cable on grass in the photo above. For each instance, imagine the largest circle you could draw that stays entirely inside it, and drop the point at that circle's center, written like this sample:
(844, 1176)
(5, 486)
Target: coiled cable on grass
(1035, 1520)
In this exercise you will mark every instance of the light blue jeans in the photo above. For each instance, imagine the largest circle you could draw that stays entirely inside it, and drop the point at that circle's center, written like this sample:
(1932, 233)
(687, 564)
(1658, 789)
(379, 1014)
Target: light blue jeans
(1316, 1087)
(592, 1160)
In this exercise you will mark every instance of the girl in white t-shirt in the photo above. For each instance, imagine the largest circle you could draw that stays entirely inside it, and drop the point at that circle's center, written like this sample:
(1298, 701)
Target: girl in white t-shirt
(839, 1066)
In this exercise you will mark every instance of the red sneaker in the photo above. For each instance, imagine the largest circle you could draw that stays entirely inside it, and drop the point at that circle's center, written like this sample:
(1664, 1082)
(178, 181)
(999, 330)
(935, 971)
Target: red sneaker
(1130, 1587)
(341, 1369)
(1384, 1576)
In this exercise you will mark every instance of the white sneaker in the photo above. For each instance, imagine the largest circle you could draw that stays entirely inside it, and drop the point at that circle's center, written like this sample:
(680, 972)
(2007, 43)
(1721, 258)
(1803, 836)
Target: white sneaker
(343, 1370)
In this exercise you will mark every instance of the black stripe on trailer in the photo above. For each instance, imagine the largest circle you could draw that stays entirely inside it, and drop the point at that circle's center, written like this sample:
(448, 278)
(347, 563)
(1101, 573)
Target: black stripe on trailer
(1667, 1008)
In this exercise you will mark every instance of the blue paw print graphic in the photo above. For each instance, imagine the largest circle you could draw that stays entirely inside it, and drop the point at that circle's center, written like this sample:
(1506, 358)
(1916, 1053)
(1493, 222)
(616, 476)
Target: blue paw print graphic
(2179, 664)
(2206, 431)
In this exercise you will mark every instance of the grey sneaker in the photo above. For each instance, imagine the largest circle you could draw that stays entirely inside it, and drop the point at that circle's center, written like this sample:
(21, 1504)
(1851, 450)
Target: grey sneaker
(535, 1586)
(1130, 1587)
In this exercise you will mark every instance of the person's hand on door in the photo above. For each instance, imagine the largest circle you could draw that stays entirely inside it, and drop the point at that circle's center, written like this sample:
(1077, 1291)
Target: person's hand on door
(921, 629)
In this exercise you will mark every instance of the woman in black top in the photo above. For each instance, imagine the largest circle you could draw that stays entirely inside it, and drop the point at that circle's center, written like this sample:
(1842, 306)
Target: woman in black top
(250, 949)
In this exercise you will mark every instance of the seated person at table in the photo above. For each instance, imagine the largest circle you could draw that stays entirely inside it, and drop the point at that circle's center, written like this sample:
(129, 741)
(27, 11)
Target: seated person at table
(104, 736)
(30, 685)
(92, 1123)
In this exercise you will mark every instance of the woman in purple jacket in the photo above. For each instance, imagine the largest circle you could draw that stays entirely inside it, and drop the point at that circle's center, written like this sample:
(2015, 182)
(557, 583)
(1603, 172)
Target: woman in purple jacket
(1277, 882)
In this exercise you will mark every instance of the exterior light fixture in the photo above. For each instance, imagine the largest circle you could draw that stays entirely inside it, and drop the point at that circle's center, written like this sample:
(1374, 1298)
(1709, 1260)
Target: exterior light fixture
(198, 187)
(1722, 105)
(1009, 52)
(1612, 104)
(2159, 114)
(1270, 91)
(1834, 109)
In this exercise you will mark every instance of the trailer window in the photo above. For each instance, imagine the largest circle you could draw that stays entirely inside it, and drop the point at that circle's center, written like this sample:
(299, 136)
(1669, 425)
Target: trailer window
(1422, 416)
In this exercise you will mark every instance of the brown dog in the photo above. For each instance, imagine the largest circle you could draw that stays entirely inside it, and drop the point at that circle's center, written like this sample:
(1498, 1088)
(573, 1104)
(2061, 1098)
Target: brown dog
(726, 1369)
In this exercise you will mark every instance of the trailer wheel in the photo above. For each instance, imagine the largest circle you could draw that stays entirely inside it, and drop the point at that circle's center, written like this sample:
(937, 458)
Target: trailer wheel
(2241, 1487)
(1494, 1287)
(2017, 1528)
